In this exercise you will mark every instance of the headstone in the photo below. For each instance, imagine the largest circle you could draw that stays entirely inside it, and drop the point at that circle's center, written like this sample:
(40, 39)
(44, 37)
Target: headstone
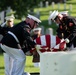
(42, 32)
(70, 7)
(53, 5)
(2, 15)
(64, 6)
(47, 3)
(41, 4)
(8, 10)
(49, 21)
(38, 14)
(58, 6)
(49, 31)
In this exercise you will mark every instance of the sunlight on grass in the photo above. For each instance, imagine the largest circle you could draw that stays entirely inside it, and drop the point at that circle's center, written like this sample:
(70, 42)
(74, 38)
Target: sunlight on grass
(1, 65)
(29, 65)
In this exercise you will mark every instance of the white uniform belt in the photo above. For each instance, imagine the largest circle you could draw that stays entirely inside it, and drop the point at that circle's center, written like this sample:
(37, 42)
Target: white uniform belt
(14, 36)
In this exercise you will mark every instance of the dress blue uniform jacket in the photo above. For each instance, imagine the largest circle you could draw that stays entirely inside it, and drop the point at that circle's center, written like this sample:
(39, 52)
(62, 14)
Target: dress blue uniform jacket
(67, 29)
(24, 37)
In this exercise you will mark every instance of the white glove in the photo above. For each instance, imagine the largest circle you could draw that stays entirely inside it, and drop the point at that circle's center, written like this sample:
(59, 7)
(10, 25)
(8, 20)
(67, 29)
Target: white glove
(67, 40)
(38, 47)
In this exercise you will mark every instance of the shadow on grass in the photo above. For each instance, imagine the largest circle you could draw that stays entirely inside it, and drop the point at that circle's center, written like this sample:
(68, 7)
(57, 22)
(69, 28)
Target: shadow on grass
(1, 67)
(74, 3)
(35, 73)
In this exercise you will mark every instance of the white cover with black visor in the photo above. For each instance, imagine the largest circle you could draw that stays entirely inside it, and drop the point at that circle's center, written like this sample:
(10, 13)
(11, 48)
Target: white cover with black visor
(34, 18)
(53, 15)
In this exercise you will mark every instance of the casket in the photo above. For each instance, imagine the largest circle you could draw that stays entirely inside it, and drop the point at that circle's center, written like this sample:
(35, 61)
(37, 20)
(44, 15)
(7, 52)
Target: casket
(50, 43)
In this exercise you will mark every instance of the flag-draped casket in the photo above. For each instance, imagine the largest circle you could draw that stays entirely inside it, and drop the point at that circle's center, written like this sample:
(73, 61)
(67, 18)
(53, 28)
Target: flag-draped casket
(50, 43)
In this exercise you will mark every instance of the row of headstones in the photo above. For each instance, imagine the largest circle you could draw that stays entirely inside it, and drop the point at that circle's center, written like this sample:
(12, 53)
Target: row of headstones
(53, 5)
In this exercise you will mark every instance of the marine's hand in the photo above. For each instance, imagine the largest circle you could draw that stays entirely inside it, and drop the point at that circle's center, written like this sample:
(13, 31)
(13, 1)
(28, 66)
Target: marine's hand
(67, 40)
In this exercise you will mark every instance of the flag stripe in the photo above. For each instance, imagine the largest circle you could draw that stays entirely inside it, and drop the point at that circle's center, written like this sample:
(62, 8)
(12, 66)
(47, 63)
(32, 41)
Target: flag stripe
(53, 41)
(50, 41)
(47, 40)
(38, 41)
(43, 40)
(57, 40)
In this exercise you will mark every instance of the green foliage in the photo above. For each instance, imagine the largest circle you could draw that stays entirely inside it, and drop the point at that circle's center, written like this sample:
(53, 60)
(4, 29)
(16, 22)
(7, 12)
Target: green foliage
(20, 6)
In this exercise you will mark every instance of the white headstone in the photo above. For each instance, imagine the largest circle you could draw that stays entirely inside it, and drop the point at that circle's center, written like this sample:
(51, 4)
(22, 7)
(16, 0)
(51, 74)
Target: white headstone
(41, 4)
(47, 3)
(8, 10)
(49, 31)
(42, 31)
(38, 14)
(64, 6)
(2, 16)
(58, 5)
(70, 7)
(49, 21)
(53, 5)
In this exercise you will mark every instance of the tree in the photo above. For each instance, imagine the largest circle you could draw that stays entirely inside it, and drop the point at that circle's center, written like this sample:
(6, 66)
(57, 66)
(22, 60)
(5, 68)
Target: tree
(20, 6)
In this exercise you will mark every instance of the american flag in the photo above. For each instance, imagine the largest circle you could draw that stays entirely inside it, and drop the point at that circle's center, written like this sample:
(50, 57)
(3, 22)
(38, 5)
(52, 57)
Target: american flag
(50, 43)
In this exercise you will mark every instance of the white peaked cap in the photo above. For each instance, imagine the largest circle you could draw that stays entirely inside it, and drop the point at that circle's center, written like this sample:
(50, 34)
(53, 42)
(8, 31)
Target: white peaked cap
(64, 12)
(34, 18)
(53, 14)
(36, 29)
(10, 17)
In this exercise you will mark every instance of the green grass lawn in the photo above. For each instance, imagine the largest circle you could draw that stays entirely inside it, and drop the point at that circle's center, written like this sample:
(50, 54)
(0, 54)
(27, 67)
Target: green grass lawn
(1, 65)
(28, 68)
